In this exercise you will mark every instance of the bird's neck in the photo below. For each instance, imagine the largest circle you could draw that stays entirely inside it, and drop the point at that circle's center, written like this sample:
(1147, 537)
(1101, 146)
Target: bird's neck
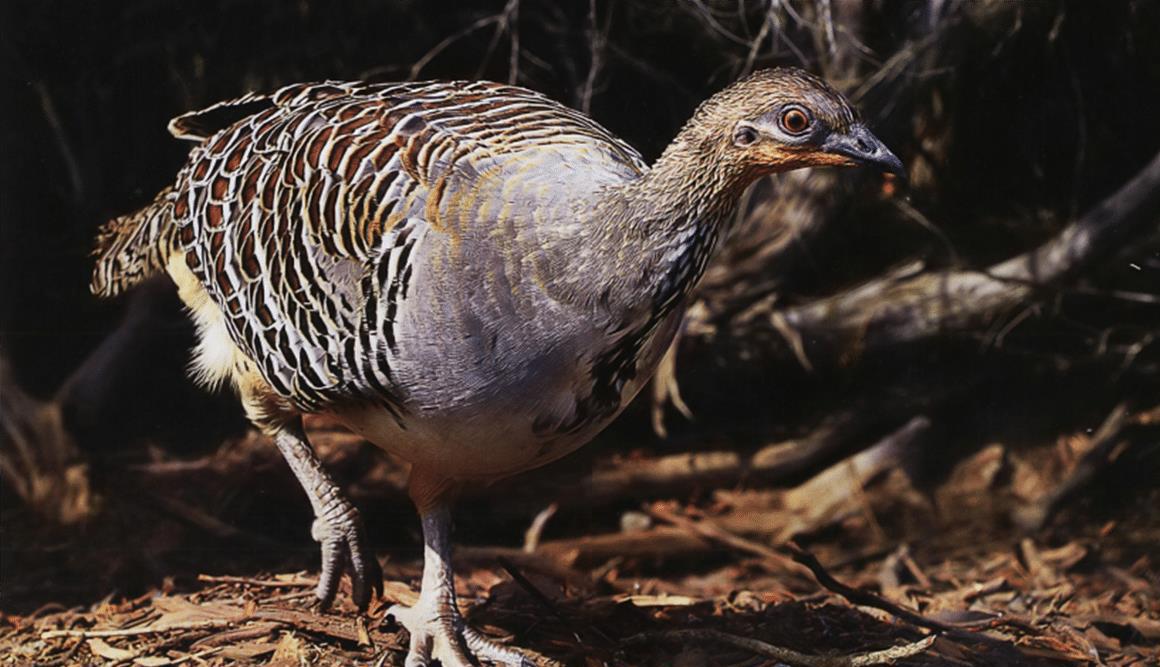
(690, 184)
(667, 223)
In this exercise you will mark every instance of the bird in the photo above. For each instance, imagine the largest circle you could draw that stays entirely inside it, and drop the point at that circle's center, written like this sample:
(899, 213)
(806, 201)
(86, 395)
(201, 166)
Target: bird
(470, 275)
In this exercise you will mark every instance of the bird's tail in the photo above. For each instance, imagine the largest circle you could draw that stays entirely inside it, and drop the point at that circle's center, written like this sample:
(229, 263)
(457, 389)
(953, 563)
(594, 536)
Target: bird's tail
(133, 247)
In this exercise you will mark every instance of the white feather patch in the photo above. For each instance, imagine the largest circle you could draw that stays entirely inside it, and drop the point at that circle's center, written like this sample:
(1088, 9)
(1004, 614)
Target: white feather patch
(216, 356)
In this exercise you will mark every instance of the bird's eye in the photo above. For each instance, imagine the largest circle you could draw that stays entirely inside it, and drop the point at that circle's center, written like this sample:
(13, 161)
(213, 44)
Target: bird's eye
(795, 120)
(745, 135)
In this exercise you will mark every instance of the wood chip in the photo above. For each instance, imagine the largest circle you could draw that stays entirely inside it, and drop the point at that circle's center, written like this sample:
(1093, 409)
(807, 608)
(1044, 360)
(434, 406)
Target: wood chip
(658, 600)
(104, 650)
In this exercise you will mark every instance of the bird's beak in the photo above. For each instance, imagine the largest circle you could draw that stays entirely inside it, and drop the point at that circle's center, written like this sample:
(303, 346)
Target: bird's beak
(861, 146)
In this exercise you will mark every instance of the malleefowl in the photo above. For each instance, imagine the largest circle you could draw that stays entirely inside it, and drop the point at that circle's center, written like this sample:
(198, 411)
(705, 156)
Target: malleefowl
(470, 275)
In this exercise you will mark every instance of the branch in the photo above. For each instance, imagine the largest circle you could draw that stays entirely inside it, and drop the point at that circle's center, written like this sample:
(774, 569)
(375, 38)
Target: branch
(900, 310)
(1099, 233)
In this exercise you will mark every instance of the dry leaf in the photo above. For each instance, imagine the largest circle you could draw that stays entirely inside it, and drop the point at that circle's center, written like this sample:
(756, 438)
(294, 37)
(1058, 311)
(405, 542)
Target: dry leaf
(100, 648)
(247, 650)
(289, 652)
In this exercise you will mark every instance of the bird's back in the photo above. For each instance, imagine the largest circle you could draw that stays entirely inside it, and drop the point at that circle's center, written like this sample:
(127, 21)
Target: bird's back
(353, 235)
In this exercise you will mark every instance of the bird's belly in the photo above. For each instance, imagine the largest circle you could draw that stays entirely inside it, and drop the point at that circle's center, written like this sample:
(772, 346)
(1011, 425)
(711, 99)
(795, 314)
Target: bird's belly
(466, 443)
(516, 422)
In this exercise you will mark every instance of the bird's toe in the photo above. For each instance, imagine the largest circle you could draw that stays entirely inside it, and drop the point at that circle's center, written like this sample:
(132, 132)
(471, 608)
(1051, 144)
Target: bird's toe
(445, 638)
(485, 648)
(345, 549)
(366, 576)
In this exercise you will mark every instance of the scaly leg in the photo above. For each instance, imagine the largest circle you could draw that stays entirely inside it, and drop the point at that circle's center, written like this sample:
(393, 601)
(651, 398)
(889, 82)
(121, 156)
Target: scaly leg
(438, 631)
(337, 525)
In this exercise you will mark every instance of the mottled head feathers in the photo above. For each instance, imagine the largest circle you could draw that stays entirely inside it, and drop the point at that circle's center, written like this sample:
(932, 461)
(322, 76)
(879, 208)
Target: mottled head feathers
(771, 121)
(766, 92)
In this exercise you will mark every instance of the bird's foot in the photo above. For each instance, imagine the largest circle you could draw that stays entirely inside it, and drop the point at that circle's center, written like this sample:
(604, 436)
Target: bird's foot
(345, 548)
(439, 633)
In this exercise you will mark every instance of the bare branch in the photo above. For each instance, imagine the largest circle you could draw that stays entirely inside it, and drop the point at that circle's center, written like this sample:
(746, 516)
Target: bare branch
(502, 22)
(891, 311)
(597, 42)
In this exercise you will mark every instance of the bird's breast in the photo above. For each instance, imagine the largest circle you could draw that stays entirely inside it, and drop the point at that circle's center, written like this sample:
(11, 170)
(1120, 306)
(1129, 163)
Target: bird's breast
(492, 408)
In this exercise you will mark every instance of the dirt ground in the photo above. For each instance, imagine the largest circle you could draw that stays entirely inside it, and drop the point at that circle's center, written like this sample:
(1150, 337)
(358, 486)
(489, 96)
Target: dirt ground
(205, 561)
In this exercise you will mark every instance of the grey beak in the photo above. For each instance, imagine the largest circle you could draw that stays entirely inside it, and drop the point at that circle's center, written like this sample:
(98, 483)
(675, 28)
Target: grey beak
(859, 144)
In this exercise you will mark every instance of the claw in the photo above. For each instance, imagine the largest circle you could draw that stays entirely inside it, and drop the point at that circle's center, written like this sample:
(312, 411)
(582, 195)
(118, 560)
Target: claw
(344, 549)
(439, 634)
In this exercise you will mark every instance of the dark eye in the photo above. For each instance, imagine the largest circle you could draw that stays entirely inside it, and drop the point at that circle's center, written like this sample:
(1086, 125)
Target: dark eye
(744, 135)
(795, 120)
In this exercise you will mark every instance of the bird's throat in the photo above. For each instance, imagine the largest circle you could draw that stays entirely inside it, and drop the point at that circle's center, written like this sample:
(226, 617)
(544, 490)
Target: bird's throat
(667, 224)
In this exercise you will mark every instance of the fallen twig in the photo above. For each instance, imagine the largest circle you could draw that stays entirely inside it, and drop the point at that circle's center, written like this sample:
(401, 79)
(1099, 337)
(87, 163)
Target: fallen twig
(268, 583)
(707, 529)
(860, 597)
(140, 630)
(330, 626)
(883, 656)
(234, 636)
(287, 596)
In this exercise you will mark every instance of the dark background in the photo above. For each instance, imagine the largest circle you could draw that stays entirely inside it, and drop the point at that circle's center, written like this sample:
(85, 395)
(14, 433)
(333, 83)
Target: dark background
(91, 87)
(1051, 106)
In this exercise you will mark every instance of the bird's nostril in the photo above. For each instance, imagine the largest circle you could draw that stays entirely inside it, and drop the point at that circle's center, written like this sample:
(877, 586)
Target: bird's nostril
(863, 145)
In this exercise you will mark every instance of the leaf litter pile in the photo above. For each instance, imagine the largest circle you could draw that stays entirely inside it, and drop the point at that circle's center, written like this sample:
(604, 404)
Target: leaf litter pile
(203, 562)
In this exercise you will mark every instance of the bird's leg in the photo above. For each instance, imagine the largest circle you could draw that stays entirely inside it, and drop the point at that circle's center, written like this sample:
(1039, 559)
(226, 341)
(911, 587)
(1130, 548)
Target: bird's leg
(337, 525)
(438, 631)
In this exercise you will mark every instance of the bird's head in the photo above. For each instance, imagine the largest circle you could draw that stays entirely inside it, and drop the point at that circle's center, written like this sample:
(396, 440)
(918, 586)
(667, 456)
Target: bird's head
(781, 119)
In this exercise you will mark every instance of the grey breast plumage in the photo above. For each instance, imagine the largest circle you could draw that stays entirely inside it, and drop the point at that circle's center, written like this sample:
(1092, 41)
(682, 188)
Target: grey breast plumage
(363, 240)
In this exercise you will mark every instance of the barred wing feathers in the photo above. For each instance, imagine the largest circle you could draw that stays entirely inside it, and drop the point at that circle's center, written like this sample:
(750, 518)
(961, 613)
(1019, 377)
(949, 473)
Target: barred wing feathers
(303, 218)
